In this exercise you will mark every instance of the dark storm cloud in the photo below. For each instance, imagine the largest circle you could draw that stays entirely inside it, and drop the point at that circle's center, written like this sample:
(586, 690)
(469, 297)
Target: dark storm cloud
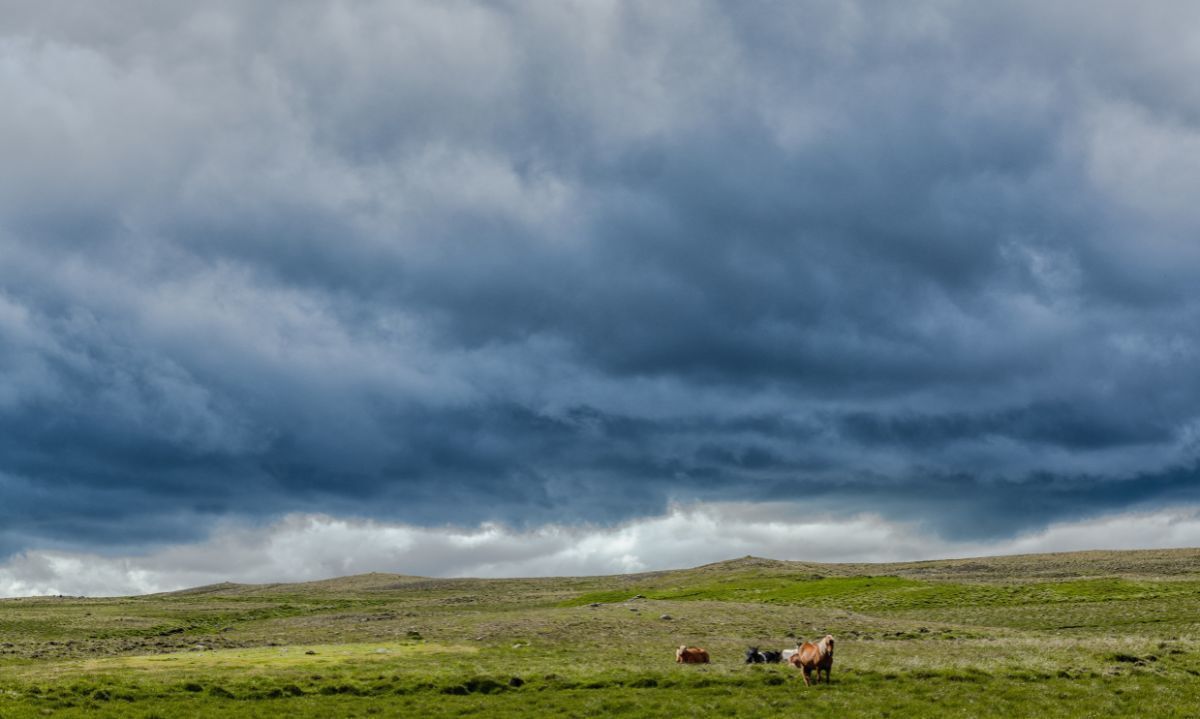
(531, 262)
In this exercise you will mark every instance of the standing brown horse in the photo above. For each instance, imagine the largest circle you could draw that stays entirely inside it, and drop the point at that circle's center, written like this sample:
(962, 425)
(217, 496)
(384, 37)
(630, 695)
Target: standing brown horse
(817, 656)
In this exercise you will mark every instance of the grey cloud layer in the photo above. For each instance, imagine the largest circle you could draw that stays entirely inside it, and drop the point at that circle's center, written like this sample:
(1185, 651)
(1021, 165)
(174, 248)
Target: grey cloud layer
(529, 262)
(308, 547)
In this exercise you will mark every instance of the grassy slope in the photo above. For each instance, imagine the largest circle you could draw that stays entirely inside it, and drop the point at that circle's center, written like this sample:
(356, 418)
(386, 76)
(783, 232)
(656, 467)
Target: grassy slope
(1085, 634)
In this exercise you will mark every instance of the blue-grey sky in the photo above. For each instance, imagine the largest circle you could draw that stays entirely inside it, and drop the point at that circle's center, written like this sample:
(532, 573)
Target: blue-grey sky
(542, 263)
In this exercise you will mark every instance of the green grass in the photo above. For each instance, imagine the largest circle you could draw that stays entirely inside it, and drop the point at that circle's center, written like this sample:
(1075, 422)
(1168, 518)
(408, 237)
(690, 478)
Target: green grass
(1093, 634)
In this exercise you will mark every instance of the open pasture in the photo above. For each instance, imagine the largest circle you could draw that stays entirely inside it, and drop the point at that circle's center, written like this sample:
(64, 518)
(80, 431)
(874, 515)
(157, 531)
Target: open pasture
(1071, 635)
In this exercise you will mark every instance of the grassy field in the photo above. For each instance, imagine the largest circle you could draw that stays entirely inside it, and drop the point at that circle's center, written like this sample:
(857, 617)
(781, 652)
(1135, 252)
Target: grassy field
(1069, 635)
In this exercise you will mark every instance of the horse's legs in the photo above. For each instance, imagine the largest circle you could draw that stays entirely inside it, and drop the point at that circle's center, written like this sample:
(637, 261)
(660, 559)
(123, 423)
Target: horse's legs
(805, 672)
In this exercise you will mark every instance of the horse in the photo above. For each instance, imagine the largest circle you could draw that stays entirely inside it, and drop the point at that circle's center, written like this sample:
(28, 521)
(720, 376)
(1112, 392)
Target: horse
(690, 655)
(817, 656)
(767, 656)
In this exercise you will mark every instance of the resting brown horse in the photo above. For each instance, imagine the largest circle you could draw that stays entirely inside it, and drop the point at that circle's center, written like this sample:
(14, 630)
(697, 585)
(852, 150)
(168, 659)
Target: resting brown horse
(690, 655)
(817, 656)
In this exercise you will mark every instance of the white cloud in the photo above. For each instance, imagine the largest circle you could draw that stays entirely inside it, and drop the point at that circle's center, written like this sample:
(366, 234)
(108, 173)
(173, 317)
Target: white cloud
(307, 547)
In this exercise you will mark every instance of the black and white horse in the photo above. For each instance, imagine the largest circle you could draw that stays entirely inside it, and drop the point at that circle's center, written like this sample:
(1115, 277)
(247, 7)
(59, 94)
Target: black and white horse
(754, 656)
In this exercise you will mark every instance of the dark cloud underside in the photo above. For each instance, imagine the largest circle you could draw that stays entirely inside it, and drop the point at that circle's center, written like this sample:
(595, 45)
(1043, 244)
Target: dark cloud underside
(531, 262)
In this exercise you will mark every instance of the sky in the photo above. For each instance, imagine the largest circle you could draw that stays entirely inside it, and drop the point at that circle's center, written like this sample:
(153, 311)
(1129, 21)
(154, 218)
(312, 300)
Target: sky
(293, 290)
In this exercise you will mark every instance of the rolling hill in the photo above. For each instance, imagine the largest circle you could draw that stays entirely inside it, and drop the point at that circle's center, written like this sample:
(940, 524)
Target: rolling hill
(1077, 634)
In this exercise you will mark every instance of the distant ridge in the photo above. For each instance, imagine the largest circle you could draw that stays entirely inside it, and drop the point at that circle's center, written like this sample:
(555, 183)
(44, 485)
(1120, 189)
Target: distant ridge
(1091, 563)
(752, 562)
(220, 588)
(372, 581)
